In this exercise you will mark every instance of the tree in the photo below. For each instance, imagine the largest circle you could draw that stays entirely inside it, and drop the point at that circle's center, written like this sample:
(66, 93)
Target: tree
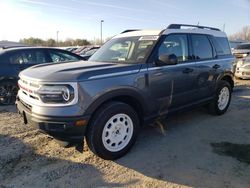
(81, 42)
(52, 43)
(243, 34)
(32, 41)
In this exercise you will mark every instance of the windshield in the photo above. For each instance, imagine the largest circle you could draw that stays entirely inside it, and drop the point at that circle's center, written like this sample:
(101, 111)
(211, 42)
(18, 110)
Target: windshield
(243, 46)
(124, 50)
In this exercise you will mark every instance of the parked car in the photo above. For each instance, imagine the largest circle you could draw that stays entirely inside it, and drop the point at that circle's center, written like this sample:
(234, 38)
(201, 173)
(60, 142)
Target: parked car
(83, 51)
(134, 79)
(78, 50)
(14, 60)
(234, 43)
(243, 68)
(88, 54)
(242, 50)
(71, 49)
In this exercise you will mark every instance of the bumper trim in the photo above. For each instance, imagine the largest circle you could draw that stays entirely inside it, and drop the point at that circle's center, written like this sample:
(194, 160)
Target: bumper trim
(61, 128)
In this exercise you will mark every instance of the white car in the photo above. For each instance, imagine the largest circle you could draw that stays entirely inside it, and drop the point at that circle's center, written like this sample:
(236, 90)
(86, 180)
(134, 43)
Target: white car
(242, 50)
(243, 68)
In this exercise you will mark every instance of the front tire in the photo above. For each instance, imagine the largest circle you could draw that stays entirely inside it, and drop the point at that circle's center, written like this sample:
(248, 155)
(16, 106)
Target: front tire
(8, 92)
(221, 101)
(112, 130)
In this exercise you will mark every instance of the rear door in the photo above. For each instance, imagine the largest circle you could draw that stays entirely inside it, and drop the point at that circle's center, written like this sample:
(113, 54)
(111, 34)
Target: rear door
(204, 55)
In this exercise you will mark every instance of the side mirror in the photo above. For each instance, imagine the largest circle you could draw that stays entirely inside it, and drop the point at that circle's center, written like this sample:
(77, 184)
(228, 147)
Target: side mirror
(167, 59)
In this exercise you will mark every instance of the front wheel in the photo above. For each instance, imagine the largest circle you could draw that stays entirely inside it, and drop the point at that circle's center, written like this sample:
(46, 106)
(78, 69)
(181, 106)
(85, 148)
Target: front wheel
(113, 130)
(222, 99)
(8, 92)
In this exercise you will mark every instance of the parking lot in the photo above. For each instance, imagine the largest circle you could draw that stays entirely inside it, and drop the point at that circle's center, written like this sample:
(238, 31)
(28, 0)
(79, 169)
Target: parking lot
(198, 150)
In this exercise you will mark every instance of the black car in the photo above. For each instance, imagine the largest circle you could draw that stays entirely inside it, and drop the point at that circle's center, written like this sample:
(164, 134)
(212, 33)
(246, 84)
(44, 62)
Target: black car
(14, 60)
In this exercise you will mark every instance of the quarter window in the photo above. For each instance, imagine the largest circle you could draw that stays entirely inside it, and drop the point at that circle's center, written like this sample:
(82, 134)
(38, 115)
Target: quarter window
(201, 47)
(58, 56)
(175, 44)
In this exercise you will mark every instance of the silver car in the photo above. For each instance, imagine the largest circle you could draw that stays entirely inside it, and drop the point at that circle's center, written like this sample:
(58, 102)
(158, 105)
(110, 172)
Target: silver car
(243, 68)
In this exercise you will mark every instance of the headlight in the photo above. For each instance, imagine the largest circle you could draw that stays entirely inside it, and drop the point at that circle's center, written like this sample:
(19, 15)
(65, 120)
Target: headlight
(240, 63)
(244, 55)
(56, 93)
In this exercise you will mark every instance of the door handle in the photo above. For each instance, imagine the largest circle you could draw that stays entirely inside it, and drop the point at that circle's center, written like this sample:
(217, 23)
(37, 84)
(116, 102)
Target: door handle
(216, 66)
(187, 70)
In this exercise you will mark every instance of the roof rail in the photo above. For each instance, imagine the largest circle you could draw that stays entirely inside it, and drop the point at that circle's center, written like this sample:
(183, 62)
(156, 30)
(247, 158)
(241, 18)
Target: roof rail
(178, 26)
(130, 30)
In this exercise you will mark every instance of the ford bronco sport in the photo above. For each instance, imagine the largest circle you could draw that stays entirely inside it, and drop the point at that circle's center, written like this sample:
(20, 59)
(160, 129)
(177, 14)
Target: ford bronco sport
(133, 79)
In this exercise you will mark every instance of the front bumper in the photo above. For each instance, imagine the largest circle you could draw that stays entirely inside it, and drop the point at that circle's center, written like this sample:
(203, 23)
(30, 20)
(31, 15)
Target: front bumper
(61, 128)
(242, 73)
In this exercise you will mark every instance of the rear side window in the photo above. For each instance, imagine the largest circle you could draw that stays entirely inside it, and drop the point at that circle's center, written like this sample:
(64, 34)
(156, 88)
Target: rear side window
(202, 48)
(59, 56)
(221, 45)
(27, 57)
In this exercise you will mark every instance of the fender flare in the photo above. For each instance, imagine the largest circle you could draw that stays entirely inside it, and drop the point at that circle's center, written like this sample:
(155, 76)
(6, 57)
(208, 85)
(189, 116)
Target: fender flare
(121, 92)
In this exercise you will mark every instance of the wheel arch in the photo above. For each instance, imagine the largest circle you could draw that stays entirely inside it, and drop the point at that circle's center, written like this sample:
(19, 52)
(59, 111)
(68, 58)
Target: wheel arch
(229, 79)
(128, 96)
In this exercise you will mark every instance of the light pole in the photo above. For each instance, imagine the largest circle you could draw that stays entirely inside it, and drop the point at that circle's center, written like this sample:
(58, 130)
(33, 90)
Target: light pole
(101, 30)
(57, 32)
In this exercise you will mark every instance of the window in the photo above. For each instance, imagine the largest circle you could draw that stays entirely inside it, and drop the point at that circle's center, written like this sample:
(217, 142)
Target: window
(125, 50)
(58, 56)
(175, 44)
(28, 57)
(202, 47)
(221, 45)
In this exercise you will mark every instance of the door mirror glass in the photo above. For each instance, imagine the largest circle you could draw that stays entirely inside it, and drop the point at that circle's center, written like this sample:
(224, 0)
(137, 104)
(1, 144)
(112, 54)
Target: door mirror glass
(165, 59)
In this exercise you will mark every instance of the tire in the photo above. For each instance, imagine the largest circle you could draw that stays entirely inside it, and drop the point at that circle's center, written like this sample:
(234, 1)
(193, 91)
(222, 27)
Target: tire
(216, 107)
(112, 130)
(8, 92)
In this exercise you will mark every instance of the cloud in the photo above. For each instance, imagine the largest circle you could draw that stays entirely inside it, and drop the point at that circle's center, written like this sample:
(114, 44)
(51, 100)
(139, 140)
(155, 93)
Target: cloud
(47, 4)
(111, 6)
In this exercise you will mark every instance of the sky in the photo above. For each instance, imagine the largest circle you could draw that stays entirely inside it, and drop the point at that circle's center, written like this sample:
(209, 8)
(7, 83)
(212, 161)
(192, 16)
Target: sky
(82, 18)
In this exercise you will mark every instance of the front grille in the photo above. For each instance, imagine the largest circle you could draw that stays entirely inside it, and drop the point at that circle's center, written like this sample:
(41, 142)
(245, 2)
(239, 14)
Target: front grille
(247, 66)
(28, 88)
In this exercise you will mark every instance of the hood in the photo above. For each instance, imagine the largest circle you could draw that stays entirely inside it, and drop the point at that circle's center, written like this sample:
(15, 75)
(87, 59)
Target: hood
(77, 71)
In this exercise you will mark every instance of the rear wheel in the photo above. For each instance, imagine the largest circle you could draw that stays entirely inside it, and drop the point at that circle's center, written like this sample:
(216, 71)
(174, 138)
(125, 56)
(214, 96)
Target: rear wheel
(222, 99)
(8, 92)
(113, 130)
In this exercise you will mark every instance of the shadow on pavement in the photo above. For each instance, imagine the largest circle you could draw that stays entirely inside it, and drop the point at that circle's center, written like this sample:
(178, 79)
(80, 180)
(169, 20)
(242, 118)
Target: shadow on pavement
(20, 166)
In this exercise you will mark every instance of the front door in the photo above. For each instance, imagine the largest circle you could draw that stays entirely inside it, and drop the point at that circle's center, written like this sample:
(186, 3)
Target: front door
(173, 86)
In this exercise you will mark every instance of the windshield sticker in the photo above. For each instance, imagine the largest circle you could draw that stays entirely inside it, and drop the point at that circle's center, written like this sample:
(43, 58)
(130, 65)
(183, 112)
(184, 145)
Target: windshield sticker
(154, 37)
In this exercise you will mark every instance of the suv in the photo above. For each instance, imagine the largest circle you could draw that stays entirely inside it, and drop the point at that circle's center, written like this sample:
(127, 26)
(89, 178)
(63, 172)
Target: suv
(132, 80)
(14, 59)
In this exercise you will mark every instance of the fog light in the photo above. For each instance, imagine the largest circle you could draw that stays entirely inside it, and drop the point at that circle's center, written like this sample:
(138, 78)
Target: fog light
(81, 122)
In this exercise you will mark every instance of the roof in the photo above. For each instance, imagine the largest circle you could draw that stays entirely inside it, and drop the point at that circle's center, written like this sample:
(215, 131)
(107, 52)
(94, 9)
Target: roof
(174, 28)
(196, 31)
(140, 33)
(8, 44)
(25, 48)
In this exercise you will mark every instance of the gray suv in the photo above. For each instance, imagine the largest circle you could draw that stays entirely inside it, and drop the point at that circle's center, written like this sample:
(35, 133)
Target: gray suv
(132, 80)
